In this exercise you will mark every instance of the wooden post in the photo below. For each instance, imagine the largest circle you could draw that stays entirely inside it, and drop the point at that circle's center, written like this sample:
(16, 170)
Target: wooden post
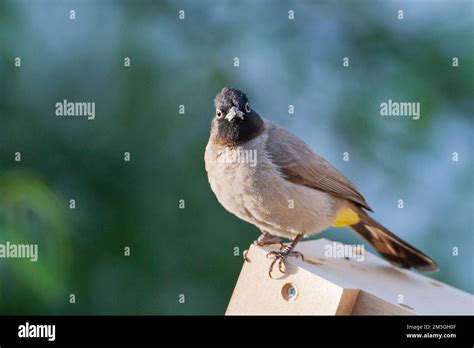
(324, 285)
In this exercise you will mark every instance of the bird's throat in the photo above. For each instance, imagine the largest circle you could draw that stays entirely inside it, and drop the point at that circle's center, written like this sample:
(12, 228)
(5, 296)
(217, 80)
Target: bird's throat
(237, 132)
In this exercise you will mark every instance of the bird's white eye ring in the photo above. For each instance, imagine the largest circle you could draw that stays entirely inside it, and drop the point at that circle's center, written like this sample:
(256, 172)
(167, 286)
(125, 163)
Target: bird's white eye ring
(219, 113)
(247, 108)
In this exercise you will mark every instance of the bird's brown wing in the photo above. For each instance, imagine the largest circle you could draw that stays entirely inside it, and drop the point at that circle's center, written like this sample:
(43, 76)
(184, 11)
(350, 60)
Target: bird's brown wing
(299, 165)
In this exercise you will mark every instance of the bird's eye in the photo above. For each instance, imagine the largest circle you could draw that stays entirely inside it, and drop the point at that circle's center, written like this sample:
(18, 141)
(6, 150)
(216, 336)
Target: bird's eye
(247, 108)
(219, 113)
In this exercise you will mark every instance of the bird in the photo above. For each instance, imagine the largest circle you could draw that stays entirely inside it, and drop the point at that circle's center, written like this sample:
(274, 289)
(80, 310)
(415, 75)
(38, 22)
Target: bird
(288, 191)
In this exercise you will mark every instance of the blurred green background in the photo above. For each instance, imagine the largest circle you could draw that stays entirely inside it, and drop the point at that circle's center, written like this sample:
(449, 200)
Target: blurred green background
(191, 251)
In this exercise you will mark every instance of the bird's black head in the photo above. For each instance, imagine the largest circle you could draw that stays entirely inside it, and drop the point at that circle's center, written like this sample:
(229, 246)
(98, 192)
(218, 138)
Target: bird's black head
(235, 122)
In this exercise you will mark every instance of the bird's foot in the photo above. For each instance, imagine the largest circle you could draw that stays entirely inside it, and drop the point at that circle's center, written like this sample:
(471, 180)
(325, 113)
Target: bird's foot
(244, 254)
(264, 239)
(268, 239)
(280, 258)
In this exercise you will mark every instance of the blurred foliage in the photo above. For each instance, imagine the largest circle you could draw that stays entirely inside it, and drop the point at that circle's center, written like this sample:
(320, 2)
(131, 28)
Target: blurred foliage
(190, 251)
(31, 213)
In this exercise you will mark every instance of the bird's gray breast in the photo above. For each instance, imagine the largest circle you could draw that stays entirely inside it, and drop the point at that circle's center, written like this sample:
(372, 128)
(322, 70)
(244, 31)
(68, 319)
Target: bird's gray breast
(234, 174)
(248, 184)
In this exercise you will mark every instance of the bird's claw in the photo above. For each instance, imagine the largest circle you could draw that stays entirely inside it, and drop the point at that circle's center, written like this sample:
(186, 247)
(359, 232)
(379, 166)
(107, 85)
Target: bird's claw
(264, 239)
(268, 239)
(280, 258)
(244, 254)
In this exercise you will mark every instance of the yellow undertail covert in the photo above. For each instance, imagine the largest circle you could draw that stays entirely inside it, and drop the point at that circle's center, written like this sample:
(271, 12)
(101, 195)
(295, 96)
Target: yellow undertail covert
(345, 217)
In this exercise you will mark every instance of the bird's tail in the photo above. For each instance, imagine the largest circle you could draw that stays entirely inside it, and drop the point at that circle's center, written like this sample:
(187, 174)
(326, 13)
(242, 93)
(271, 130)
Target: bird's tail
(392, 248)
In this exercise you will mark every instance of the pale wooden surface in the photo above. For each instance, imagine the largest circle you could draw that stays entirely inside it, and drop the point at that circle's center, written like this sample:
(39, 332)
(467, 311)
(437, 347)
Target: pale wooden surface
(336, 286)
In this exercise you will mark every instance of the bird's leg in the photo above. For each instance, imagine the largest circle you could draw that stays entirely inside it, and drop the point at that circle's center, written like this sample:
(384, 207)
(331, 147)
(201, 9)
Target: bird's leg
(268, 239)
(281, 256)
(265, 239)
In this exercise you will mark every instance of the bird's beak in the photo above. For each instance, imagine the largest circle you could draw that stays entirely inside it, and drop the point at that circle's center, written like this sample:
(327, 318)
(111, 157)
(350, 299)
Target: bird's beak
(234, 112)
